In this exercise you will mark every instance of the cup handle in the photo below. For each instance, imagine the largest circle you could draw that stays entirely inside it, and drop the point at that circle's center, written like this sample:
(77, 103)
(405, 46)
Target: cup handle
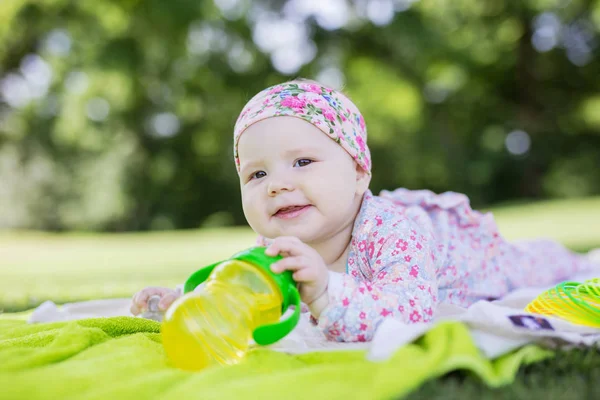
(269, 334)
(198, 277)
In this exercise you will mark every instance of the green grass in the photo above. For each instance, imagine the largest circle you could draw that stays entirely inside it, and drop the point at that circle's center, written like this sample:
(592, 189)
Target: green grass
(569, 375)
(38, 266)
(68, 267)
(575, 222)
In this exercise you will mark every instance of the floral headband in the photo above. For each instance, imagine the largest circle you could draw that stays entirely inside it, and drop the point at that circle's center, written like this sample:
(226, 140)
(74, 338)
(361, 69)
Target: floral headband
(327, 109)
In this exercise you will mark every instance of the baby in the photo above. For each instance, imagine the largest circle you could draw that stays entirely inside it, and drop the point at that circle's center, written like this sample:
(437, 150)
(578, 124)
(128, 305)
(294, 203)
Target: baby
(304, 168)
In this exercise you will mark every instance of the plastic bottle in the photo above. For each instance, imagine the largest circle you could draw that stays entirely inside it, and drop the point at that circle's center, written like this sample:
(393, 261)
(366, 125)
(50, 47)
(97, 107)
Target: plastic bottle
(241, 301)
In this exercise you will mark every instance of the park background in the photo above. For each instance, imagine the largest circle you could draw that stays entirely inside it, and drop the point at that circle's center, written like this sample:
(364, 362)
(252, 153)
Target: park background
(116, 123)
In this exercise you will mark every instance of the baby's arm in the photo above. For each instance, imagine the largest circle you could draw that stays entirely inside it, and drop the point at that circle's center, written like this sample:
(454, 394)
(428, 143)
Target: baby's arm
(403, 285)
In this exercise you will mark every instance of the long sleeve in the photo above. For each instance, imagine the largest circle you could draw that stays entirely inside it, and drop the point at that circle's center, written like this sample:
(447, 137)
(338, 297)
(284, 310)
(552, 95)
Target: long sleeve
(397, 279)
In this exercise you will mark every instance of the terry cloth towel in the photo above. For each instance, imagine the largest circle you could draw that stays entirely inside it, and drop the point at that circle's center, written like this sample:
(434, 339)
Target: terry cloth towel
(122, 358)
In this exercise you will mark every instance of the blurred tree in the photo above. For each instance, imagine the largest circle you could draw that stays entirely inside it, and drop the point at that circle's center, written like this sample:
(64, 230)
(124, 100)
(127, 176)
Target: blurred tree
(118, 115)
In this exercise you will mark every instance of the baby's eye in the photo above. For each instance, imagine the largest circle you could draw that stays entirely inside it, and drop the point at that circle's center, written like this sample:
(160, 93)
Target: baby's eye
(303, 162)
(258, 175)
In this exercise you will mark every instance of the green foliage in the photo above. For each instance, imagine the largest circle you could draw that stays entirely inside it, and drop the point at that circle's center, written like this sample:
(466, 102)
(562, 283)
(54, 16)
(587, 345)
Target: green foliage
(129, 126)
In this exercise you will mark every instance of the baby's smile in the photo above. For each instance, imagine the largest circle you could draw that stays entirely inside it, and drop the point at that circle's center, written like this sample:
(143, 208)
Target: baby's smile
(291, 212)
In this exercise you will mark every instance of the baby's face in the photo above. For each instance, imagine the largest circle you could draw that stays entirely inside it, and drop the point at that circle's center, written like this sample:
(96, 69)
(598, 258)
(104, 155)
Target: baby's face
(296, 181)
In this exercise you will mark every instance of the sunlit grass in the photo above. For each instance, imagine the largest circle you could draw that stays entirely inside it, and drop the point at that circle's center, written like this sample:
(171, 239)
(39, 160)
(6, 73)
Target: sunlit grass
(575, 223)
(41, 266)
(38, 266)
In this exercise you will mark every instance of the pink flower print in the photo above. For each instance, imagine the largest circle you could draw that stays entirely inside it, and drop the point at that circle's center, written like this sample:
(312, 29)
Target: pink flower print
(329, 114)
(345, 302)
(367, 161)
(411, 302)
(362, 315)
(401, 308)
(371, 249)
(419, 246)
(412, 238)
(343, 117)
(362, 245)
(375, 233)
(294, 102)
(246, 111)
(361, 290)
(421, 287)
(453, 269)
(398, 279)
(276, 89)
(381, 240)
(395, 253)
(335, 332)
(361, 120)
(361, 338)
(407, 258)
(381, 275)
(363, 327)
(379, 220)
(415, 316)
(361, 143)
(311, 87)
(428, 311)
(385, 312)
(375, 297)
(402, 245)
(414, 271)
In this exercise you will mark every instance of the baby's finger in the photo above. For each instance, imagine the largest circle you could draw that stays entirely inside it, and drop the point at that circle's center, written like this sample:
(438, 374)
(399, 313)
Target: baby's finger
(141, 297)
(290, 263)
(285, 244)
(167, 300)
(135, 310)
(305, 275)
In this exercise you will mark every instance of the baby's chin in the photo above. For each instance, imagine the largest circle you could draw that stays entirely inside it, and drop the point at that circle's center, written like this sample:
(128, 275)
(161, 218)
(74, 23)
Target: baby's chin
(300, 233)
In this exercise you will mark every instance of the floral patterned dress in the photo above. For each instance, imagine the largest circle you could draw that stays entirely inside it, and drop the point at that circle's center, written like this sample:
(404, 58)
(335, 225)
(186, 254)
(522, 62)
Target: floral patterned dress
(411, 250)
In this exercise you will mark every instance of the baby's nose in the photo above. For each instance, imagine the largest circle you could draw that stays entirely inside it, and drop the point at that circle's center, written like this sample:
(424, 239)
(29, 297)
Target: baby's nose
(278, 186)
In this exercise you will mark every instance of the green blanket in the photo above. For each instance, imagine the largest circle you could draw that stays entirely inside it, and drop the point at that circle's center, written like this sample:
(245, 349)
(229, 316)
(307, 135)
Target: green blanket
(122, 358)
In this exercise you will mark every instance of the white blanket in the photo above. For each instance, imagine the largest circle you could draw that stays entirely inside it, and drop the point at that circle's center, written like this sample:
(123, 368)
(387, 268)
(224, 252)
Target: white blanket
(497, 327)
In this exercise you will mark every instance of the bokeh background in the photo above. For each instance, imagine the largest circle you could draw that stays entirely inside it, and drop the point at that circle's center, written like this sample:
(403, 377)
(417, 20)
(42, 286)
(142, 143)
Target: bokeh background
(116, 118)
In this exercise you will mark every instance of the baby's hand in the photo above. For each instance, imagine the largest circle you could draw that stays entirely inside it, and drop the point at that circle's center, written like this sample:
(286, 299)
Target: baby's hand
(305, 262)
(139, 303)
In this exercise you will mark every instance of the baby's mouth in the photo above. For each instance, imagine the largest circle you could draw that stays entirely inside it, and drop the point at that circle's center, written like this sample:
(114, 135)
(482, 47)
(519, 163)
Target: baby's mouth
(291, 211)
